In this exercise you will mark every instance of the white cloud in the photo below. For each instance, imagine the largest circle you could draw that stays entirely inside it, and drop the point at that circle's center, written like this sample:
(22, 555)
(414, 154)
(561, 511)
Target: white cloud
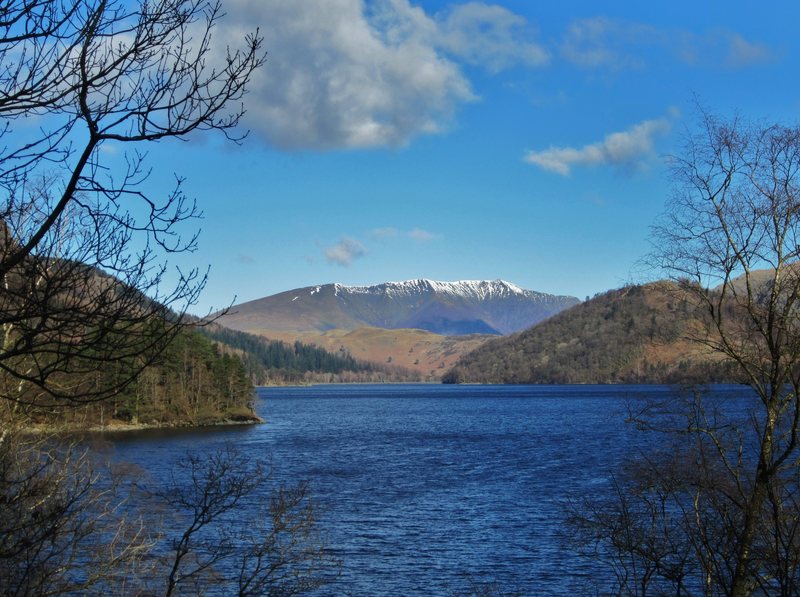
(384, 233)
(490, 36)
(344, 252)
(721, 47)
(742, 53)
(602, 42)
(418, 235)
(421, 236)
(350, 74)
(625, 149)
(109, 148)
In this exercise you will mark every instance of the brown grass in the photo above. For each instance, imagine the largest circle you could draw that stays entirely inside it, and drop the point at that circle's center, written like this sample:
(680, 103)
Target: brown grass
(417, 350)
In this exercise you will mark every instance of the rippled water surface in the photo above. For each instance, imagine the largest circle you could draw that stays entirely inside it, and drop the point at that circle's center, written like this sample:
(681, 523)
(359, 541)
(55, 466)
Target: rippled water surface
(424, 489)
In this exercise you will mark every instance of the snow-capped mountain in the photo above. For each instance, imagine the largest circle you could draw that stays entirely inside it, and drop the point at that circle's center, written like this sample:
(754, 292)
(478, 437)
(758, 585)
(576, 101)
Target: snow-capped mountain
(475, 289)
(448, 308)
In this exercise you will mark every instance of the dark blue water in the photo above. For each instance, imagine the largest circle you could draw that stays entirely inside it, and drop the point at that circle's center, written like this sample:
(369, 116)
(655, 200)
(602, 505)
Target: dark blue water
(425, 489)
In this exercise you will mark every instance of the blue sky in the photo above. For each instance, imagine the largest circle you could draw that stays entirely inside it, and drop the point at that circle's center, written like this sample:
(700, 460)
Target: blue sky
(522, 140)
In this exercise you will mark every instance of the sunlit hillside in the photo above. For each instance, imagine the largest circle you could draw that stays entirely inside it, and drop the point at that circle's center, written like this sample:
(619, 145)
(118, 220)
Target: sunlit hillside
(636, 334)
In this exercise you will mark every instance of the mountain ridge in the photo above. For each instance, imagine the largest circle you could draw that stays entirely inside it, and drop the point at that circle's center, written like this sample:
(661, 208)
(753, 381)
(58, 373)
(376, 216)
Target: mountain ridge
(423, 325)
(449, 308)
(477, 288)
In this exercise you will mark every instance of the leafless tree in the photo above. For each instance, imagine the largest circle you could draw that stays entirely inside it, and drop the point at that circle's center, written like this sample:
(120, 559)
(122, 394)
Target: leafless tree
(85, 303)
(669, 524)
(84, 309)
(733, 235)
(70, 523)
(82, 241)
(61, 529)
(731, 238)
(274, 549)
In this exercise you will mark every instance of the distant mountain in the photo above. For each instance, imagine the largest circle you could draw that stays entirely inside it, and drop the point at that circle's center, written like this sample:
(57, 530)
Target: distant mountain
(636, 334)
(445, 308)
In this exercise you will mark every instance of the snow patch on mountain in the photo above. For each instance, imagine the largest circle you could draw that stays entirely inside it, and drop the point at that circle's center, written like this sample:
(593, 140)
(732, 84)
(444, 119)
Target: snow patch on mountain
(450, 308)
(470, 289)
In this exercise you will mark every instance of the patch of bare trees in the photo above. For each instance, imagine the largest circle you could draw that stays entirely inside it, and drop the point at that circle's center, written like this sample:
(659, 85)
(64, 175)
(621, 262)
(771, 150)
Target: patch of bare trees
(71, 524)
(82, 240)
(719, 512)
(86, 304)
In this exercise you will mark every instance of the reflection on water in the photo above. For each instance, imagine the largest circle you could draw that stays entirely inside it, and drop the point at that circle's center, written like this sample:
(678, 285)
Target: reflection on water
(172, 436)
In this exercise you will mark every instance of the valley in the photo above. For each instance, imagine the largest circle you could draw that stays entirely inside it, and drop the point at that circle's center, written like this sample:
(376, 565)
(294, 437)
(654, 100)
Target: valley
(422, 326)
(418, 351)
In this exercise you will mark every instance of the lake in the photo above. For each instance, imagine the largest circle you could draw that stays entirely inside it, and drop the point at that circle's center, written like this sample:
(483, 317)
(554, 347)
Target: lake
(425, 489)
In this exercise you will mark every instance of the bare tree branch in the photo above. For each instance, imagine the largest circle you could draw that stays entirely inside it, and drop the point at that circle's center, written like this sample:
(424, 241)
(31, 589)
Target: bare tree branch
(82, 257)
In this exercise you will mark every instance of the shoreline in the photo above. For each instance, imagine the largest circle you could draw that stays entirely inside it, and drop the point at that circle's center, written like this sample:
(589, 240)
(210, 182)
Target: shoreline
(115, 426)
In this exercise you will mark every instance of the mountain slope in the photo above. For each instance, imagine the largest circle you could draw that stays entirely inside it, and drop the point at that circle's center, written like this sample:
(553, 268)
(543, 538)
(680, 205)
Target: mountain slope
(272, 361)
(634, 334)
(426, 354)
(446, 308)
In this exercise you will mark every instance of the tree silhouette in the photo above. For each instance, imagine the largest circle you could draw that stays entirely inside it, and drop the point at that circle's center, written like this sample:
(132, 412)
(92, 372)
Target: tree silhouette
(82, 242)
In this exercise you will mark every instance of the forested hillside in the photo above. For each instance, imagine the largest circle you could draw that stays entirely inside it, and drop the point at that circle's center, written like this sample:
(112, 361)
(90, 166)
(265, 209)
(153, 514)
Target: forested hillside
(206, 376)
(636, 334)
(275, 362)
(191, 383)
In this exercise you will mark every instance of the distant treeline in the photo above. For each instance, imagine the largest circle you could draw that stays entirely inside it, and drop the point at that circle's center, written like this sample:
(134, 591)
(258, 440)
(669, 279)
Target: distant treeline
(276, 362)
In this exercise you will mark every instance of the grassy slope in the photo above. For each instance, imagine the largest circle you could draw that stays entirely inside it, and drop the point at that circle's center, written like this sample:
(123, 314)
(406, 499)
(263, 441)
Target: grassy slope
(417, 350)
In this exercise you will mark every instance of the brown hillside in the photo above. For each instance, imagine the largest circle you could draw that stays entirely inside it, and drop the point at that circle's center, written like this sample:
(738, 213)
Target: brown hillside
(636, 334)
(417, 350)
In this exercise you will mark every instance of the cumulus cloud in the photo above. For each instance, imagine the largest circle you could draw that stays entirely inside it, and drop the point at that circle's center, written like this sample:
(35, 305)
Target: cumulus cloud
(625, 149)
(350, 74)
(344, 252)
